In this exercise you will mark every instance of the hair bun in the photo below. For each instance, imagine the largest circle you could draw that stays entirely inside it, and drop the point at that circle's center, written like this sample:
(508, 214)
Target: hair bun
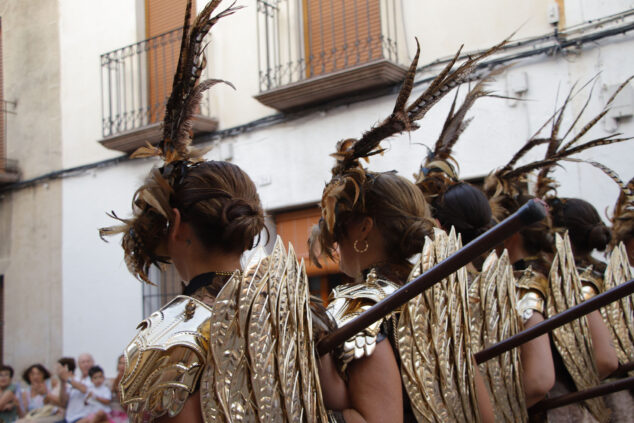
(414, 237)
(599, 237)
(241, 221)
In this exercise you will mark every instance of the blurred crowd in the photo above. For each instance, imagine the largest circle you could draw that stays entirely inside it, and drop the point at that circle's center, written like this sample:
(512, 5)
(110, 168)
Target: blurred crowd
(66, 396)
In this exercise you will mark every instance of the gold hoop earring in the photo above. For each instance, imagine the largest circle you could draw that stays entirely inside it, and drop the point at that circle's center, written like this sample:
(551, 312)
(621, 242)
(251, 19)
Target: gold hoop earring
(356, 248)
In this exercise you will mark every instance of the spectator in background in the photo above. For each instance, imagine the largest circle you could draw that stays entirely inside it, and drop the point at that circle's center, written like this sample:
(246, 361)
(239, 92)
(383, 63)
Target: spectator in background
(118, 415)
(73, 391)
(10, 408)
(85, 362)
(98, 398)
(39, 389)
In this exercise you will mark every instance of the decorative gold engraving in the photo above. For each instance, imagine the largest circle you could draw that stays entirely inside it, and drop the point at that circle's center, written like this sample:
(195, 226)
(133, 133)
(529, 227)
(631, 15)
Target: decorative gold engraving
(165, 359)
(346, 302)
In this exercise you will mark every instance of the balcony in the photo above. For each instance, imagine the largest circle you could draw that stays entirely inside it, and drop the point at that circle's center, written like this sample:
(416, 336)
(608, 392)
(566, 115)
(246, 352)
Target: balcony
(136, 81)
(9, 172)
(314, 51)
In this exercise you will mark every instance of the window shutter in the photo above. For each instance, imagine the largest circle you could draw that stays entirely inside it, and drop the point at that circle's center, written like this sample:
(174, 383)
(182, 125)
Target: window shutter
(340, 34)
(163, 18)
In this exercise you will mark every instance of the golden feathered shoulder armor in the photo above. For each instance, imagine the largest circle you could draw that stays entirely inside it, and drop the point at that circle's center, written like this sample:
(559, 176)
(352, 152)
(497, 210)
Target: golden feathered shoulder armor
(262, 365)
(531, 291)
(573, 341)
(619, 315)
(591, 281)
(165, 359)
(251, 352)
(493, 317)
(346, 302)
(434, 342)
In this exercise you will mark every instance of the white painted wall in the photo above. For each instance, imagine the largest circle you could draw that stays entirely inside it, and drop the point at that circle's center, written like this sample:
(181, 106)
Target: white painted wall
(579, 11)
(101, 300)
(87, 30)
(291, 163)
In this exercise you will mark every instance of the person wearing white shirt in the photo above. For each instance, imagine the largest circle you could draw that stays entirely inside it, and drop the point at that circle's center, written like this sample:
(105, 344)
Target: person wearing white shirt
(72, 398)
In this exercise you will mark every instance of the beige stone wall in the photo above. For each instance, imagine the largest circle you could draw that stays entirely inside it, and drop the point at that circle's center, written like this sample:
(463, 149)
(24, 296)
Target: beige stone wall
(32, 276)
(30, 218)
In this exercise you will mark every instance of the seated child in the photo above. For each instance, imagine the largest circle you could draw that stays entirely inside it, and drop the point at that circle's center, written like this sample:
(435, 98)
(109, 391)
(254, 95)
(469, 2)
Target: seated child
(97, 398)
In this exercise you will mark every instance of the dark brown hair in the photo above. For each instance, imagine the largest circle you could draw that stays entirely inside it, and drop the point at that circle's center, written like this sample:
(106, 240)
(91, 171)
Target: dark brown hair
(218, 199)
(585, 227)
(5, 368)
(398, 210)
(25, 374)
(464, 207)
(536, 238)
(94, 370)
(69, 362)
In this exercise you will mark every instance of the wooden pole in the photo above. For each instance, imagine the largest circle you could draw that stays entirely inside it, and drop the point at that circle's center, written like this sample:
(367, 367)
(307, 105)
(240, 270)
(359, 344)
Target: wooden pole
(531, 212)
(597, 391)
(560, 319)
(622, 369)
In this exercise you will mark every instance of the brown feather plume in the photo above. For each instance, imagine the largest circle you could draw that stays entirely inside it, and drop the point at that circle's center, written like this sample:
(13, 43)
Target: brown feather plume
(623, 216)
(345, 189)
(144, 232)
(509, 181)
(440, 169)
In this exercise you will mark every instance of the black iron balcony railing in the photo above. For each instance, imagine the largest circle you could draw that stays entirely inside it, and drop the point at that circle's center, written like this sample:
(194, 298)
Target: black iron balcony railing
(136, 81)
(9, 171)
(302, 39)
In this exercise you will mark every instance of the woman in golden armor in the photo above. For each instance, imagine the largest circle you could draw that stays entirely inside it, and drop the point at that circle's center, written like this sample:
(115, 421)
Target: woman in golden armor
(376, 223)
(231, 347)
(459, 205)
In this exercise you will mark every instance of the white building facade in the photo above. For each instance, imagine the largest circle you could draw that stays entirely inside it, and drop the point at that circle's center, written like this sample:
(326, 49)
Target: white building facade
(66, 291)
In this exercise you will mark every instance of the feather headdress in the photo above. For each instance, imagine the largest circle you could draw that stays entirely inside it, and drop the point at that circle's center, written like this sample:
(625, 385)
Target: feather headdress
(345, 190)
(623, 216)
(151, 205)
(506, 184)
(440, 169)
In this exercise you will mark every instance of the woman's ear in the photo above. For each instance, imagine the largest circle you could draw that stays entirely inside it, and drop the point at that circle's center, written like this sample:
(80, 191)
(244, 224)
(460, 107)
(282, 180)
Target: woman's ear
(367, 223)
(175, 229)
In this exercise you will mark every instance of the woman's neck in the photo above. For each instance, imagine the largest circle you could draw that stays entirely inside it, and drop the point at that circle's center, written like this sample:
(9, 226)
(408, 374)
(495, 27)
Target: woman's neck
(216, 261)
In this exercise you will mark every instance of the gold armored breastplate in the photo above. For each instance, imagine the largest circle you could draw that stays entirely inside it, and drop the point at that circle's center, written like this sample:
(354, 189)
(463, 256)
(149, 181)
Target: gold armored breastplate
(350, 300)
(165, 359)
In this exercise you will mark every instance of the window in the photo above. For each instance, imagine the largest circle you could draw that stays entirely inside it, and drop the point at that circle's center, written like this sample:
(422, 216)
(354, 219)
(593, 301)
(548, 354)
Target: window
(163, 23)
(311, 51)
(341, 35)
(168, 285)
(136, 81)
(8, 168)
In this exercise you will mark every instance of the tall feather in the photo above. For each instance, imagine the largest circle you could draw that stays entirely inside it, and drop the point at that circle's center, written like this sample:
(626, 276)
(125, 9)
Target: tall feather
(186, 95)
(440, 170)
(506, 181)
(345, 188)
